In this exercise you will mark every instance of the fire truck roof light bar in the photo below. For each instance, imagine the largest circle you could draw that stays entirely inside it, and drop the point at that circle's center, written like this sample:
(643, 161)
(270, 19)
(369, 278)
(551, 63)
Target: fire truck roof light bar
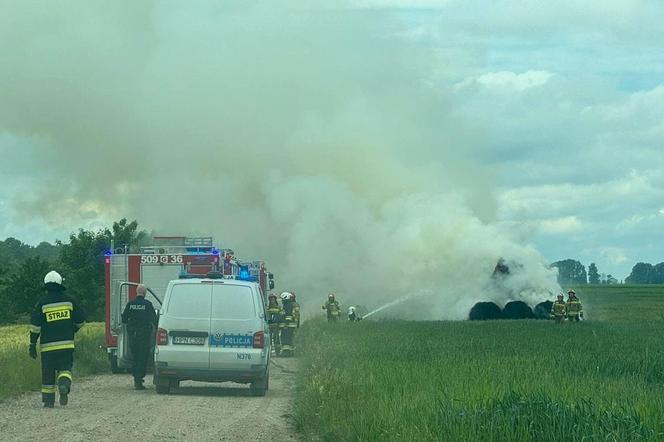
(178, 250)
(216, 275)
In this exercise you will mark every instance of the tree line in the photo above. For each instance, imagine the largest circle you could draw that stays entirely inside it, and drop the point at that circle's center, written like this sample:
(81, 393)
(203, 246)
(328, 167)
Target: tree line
(573, 272)
(80, 261)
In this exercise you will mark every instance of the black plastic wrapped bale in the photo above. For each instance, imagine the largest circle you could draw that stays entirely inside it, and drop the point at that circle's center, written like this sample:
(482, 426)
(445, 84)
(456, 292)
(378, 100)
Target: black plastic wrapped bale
(517, 310)
(543, 310)
(483, 311)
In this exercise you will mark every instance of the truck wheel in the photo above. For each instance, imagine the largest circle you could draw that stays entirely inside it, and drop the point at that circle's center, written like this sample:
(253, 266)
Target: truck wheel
(162, 385)
(113, 359)
(260, 386)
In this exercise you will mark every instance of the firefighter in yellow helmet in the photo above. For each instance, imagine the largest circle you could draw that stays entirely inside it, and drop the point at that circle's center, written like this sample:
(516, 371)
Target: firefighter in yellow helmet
(275, 317)
(558, 309)
(573, 309)
(332, 307)
(55, 319)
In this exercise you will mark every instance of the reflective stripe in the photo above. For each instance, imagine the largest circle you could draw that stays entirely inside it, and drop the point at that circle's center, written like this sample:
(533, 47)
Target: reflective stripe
(35, 329)
(65, 374)
(48, 389)
(58, 345)
(56, 306)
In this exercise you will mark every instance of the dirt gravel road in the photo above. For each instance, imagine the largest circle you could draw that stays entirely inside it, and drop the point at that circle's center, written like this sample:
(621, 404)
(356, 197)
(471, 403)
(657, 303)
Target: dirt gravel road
(107, 408)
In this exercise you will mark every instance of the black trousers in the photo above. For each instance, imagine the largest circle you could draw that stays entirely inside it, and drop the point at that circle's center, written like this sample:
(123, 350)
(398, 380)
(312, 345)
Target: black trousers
(140, 343)
(52, 362)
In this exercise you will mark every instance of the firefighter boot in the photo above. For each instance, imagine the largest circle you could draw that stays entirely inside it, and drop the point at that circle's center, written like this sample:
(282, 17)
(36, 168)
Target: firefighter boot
(64, 386)
(48, 396)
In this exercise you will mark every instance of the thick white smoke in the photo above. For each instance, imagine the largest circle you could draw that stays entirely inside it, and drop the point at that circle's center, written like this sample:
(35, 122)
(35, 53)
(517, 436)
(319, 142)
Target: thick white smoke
(306, 136)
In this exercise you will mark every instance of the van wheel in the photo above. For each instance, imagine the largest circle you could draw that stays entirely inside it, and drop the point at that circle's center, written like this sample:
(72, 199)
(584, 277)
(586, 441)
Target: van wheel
(260, 386)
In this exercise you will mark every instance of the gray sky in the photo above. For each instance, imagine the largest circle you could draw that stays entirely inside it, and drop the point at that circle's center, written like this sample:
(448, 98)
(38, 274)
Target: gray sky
(551, 114)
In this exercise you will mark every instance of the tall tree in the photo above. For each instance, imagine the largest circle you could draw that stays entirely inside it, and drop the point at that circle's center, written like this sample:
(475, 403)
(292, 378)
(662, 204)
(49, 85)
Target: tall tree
(571, 272)
(593, 274)
(23, 288)
(82, 268)
(658, 274)
(82, 260)
(642, 273)
(123, 233)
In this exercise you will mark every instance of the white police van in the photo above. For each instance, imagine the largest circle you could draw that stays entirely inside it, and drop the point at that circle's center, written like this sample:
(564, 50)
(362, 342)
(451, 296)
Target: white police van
(212, 329)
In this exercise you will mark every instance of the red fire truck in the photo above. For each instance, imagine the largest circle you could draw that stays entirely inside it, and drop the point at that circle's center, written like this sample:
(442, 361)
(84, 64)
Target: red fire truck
(155, 266)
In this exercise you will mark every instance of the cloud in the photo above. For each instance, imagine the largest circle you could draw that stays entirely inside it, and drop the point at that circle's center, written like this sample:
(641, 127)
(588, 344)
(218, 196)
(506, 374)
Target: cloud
(560, 225)
(506, 81)
(614, 255)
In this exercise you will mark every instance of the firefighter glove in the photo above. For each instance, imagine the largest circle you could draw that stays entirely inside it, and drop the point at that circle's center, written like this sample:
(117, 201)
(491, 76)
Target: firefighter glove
(33, 351)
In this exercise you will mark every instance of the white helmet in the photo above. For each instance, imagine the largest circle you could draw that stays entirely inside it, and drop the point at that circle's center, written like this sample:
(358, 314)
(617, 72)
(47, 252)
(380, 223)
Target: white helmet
(351, 310)
(53, 277)
(286, 295)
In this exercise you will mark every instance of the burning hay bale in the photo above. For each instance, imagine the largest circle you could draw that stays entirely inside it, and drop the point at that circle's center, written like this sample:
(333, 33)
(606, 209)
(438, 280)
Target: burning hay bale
(543, 310)
(517, 310)
(483, 311)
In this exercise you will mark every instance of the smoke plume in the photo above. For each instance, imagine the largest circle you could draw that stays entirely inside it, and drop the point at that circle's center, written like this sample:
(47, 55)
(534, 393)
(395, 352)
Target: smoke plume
(310, 137)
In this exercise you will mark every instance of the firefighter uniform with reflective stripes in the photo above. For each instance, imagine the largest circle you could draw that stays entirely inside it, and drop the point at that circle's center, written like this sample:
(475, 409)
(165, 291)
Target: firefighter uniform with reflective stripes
(54, 320)
(333, 310)
(275, 318)
(289, 326)
(141, 320)
(574, 309)
(558, 310)
(296, 313)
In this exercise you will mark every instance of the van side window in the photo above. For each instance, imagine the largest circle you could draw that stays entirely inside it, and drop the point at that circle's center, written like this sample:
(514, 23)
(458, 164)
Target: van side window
(233, 302)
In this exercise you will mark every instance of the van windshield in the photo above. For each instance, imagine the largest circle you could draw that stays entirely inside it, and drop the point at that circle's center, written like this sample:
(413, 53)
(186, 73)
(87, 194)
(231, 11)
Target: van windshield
(232, 302)
(190, 301)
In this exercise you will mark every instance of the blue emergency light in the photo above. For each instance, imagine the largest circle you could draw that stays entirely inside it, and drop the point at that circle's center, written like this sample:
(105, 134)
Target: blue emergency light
(244, 273)
(108, 253)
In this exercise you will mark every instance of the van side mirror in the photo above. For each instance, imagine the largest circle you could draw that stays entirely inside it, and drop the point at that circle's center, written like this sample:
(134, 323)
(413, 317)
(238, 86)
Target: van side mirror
(270, 275)
(271, 284)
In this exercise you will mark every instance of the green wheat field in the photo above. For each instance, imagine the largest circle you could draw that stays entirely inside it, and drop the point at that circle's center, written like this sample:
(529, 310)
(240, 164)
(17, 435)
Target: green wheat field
(525, 380)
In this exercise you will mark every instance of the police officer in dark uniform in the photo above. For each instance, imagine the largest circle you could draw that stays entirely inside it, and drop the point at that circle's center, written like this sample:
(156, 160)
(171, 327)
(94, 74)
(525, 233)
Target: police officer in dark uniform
(54, 320)
(140, 317)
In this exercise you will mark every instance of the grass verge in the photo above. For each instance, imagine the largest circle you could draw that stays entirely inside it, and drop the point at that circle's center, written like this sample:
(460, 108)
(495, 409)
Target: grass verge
(20, 373)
